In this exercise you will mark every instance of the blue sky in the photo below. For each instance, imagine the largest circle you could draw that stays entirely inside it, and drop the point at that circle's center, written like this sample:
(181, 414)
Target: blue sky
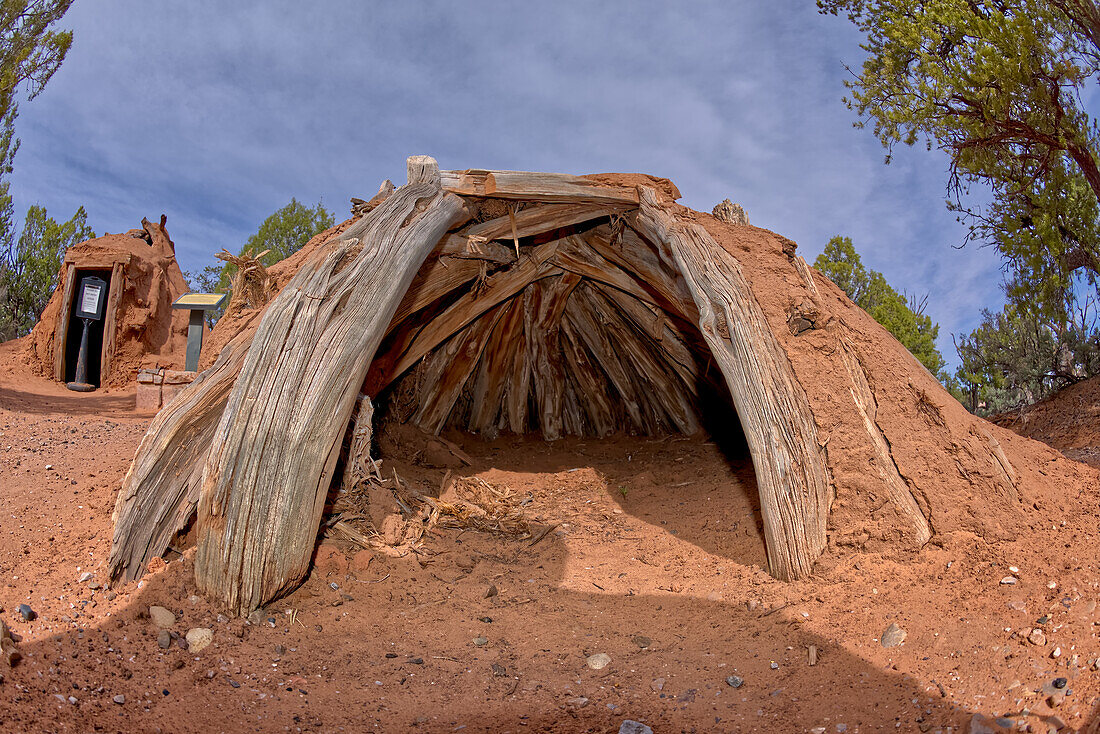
(218, 113)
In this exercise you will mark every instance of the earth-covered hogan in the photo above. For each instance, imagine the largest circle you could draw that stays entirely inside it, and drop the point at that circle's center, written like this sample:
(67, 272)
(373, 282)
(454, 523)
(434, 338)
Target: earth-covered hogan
(516, 302)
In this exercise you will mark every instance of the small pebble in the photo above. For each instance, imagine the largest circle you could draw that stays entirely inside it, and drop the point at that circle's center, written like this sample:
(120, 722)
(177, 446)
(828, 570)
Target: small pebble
(480, 641)
(775, 665)
(28, 614)
(599, 661)
(735, 681)
(1059, 683)
(491, 591)
(119, 699)
(1008, 580)
(892, 636)
(634, 727)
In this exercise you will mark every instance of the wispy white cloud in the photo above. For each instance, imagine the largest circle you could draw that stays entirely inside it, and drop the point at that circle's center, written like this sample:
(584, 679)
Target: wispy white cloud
(218, 113)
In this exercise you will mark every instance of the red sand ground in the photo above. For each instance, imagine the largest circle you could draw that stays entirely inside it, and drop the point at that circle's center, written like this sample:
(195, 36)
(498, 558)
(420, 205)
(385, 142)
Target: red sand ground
(653, 544)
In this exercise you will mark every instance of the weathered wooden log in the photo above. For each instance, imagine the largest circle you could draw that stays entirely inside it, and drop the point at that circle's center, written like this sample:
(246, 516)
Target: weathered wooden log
(160, 493)
(543, 304)
(273, 454)
(533, 186)
(161, 489)
(792, 477)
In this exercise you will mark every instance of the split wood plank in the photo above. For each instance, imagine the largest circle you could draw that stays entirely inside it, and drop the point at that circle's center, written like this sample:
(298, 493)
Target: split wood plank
(274, 451)
(535, 186)
(792, 476)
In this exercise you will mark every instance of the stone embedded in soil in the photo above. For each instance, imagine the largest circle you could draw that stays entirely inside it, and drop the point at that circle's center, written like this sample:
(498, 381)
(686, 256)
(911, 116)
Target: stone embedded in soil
(491, 591)
(893, 636)
(634, 727)
(86, 576)
(26, 612)
(578, 703)
(499, 670)
(162, 617)
(1008, 580)
(599, 661)
(641, 641)
(658, 684)
(119, 699)
(164, 639)
(199, 638)
(735, 680)
(481, 641)
(1036, 637)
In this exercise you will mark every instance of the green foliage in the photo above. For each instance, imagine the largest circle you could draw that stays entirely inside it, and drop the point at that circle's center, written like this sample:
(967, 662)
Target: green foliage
(30, 263)
(997, 85)
(30, 53)
(869, 290)
(1014, 359)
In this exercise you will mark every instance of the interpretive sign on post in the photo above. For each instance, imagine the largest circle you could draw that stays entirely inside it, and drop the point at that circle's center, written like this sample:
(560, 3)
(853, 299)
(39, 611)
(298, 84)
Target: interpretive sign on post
(198, 303)
(89, 307)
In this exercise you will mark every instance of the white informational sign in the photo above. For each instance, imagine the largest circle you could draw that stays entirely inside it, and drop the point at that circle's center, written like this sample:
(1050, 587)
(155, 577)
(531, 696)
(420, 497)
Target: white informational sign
(89, 300)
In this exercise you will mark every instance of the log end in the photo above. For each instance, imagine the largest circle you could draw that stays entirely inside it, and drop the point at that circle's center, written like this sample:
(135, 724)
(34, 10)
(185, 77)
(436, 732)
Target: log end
(423, 169)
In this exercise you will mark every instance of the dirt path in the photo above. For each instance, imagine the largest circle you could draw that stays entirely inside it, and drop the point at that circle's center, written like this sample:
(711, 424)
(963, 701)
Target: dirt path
(656, 563)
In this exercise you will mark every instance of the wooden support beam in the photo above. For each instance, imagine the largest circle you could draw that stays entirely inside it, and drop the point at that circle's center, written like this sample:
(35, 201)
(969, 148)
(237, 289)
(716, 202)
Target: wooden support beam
(543, 304)
(666, 397)
(161, 489)
(275, 449)
(413, 345)
(532, 186)
(592, 389)
(491, 382)
(584, 322)
(792, 477)
(447, 369)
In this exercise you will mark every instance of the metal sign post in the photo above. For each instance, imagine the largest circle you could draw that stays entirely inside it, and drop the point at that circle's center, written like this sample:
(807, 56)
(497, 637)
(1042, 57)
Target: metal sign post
(198, 303)
(89, 308)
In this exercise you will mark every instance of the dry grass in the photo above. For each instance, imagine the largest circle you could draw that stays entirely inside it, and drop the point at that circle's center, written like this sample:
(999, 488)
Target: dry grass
(476, 505)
